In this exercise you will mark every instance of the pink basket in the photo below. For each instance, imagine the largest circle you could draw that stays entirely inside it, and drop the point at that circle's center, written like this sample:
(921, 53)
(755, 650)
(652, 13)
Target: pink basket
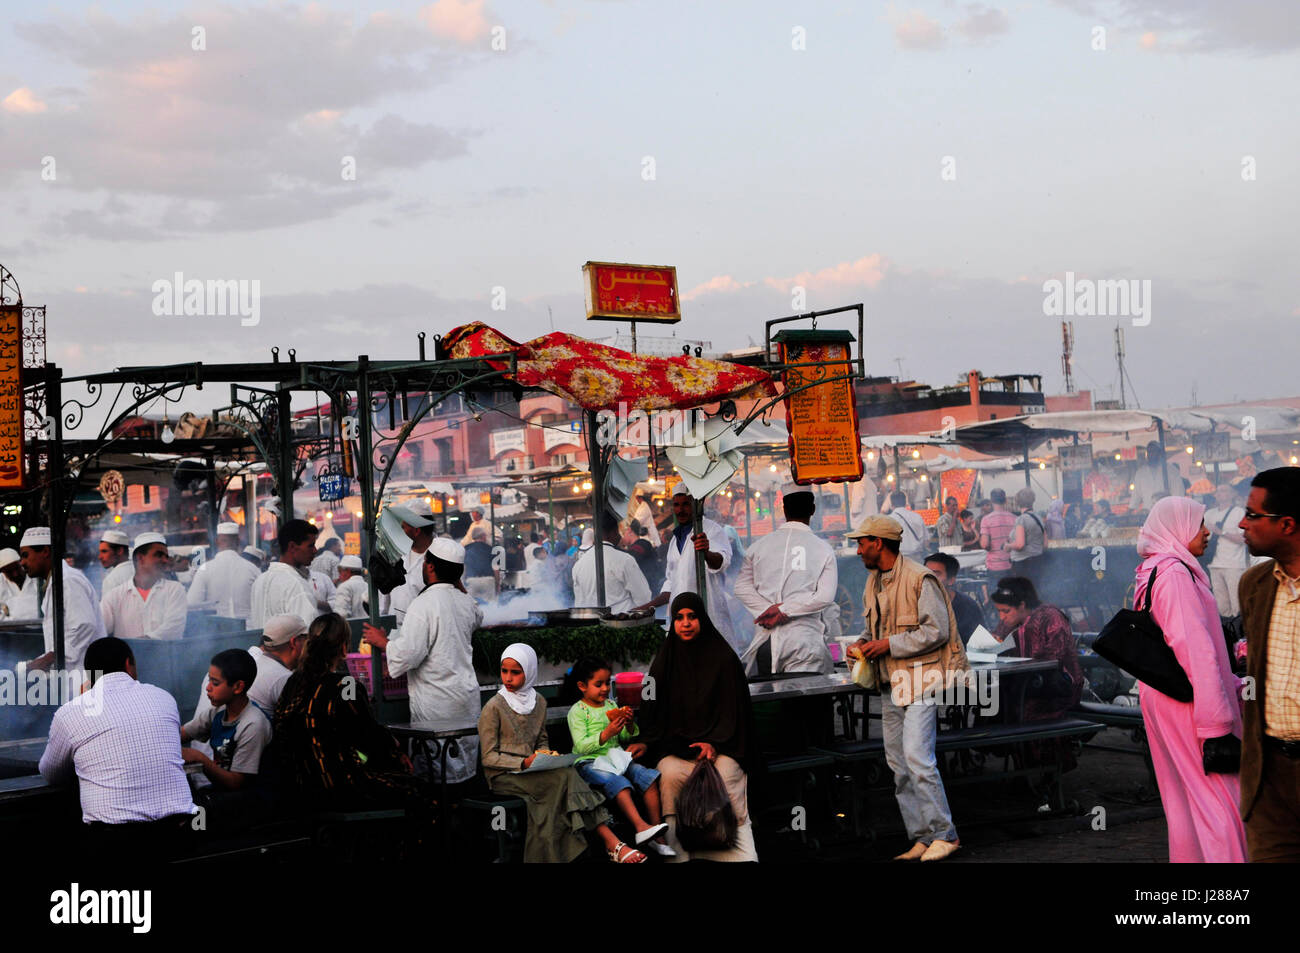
(359, 668)
(627, 689)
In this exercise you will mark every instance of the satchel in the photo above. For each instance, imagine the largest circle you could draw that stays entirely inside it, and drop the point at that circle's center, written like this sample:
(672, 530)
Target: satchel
(1134, 642)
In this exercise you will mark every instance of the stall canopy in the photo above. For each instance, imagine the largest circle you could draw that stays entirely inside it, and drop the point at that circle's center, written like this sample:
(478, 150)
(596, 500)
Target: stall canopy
(1019, 434)
(598, 377)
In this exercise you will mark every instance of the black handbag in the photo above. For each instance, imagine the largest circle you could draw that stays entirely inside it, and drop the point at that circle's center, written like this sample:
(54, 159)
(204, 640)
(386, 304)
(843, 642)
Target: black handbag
(1133, 641)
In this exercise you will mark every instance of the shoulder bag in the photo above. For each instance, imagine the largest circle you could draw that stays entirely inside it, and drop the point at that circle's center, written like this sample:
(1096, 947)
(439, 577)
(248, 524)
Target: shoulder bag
(1135, 643)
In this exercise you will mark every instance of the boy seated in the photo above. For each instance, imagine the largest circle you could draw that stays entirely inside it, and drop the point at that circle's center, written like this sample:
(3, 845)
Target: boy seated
(237, 729)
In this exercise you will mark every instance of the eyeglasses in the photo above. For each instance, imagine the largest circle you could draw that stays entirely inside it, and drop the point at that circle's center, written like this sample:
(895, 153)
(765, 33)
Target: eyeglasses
(1251, 516)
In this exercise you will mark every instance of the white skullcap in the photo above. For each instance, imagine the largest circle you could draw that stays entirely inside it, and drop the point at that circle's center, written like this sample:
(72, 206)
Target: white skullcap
(448, 550)
(8, 557)
(116, 537)
(36, 536)
(350, 562)
(144, 539)
(254, 551)
(227, 529)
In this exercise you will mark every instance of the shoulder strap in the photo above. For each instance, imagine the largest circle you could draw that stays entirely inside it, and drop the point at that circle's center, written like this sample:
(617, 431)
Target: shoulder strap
(1151, 584)
(1034, 517)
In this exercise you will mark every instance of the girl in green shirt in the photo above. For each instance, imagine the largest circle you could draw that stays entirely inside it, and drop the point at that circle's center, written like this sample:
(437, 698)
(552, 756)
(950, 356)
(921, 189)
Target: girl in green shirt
(600, 728)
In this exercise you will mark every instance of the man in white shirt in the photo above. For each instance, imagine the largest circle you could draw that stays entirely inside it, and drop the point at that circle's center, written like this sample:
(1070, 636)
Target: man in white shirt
(625, 585)
(679, 575)
(122, 741)
(327, 560)
(416, 518)
(82, 623)
(283, 639)
(863, 501)
(645, 515)
(284, 589)
(476, 521)
(1149, 480)
(353, 592)
(787, 581)
(152, 606)
(225, 582)
(1231, 558)
(115, 557)
(435, 652)
(916, 537)
(18, 593)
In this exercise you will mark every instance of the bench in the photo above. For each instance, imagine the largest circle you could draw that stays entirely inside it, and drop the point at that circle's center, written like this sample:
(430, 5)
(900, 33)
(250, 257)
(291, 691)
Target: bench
(871, 751)
(1129, 718)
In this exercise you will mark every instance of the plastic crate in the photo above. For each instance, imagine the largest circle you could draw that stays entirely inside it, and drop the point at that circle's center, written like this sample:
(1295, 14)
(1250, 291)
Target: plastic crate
(359, 668)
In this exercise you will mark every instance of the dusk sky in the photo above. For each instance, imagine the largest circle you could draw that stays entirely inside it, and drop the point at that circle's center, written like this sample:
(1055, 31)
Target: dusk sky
(937, 161)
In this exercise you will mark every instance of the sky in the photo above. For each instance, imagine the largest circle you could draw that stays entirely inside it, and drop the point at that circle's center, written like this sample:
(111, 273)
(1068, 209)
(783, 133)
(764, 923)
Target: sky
(384, 169)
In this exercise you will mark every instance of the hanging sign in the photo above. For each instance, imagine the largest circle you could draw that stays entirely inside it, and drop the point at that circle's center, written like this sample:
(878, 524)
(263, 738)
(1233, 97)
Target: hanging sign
(112, 486)
(1076, 456)
(825, 444)
(333, 486)
(631, 292)
(11, 397)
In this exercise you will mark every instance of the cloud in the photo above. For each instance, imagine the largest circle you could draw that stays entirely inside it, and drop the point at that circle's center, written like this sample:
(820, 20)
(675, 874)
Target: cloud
(249, 132)
(982, 22)
(460, 20)
(1147, 41)
(1204, 26)
(916, 31)
(22, 101)
(866, 272)
(714, 284)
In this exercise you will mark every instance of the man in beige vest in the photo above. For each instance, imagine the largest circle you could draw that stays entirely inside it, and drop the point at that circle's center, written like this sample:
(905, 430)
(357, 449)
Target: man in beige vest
(911, 635)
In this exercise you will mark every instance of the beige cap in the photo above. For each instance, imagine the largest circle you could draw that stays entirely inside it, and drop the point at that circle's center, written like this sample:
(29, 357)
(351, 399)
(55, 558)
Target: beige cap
(881, 527)
(282, 629)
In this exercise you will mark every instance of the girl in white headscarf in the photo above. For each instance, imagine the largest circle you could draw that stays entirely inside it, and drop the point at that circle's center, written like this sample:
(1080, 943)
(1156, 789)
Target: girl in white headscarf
(1192, 743)
(561, 806)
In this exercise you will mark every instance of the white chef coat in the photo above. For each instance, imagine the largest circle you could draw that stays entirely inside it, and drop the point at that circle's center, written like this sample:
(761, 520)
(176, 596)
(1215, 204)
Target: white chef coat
(915, 543)
(625, 585)
(1147, 483)
(281, 591)
(400, 599)
(793, 568)
(350, 598)
(327, 563)
(119, 575)
(22, 601)
(487, 528)
(225, 582)
(679, 575)
(862, 501)
(82, 623)
(645, 515)
(434, 651)
(1230, 551)
(127, 615)
(322, 589)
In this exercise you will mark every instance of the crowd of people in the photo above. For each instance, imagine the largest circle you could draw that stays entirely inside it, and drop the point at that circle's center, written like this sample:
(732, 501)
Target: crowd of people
(284, 714)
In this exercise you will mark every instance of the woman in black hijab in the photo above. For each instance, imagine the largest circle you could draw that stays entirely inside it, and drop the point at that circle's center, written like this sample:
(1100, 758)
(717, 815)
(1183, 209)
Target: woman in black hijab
(700, 711)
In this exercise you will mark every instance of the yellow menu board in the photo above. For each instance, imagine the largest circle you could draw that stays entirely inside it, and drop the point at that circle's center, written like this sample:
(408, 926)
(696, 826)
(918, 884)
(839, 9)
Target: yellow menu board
(825, 446)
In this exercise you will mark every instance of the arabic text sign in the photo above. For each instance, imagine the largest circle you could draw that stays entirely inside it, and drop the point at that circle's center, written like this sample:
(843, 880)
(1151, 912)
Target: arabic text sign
(11, 397)
(631, 292)
(822, 419)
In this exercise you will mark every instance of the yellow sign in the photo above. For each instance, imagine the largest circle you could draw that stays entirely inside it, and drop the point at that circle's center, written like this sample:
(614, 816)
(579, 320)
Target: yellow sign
(822, 418)
(352, 544)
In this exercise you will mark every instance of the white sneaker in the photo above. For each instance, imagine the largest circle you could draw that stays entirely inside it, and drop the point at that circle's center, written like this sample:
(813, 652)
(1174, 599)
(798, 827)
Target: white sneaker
(650, 833)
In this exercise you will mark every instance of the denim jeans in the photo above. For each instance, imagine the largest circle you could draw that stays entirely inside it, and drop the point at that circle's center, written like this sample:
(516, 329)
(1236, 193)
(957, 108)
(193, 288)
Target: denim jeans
(909, 750)
(637, 775)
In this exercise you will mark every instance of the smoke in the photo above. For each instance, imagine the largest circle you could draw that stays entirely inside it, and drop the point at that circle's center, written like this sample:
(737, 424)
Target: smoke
(545, 594)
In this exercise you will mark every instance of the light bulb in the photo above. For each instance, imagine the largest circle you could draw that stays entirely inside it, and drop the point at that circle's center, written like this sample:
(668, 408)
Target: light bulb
(1189, 449)
(916, 454)
(1042, 466)
(167, 435)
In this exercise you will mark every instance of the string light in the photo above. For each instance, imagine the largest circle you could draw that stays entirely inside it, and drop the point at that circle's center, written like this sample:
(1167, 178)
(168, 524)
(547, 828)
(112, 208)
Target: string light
(916, 454)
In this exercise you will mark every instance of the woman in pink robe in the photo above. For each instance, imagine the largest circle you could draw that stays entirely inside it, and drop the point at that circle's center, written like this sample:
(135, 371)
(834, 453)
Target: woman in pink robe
(1200, 809)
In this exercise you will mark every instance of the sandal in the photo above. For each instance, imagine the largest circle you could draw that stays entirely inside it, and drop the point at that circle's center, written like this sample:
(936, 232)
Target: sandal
(650, 833)
(618, 857)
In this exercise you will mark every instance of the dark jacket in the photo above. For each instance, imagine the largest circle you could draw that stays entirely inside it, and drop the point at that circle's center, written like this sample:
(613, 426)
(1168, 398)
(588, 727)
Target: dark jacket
(1256, 592)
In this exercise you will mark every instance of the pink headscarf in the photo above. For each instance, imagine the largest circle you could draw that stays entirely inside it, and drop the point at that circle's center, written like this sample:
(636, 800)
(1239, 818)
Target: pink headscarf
(1173, 522)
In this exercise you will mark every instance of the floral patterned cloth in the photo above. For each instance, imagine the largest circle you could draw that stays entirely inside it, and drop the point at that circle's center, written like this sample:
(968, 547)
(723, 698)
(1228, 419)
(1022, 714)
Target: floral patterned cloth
(597, 377)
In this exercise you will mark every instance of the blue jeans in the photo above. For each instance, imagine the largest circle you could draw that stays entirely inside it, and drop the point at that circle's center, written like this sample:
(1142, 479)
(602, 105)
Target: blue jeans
(613, 784)
(909, 750)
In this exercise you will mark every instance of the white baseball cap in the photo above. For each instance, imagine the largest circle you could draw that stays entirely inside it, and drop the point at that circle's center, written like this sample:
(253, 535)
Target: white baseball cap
(282, 629)
(227, 529)
(35, 536)
(448, 550)
(116, 537)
